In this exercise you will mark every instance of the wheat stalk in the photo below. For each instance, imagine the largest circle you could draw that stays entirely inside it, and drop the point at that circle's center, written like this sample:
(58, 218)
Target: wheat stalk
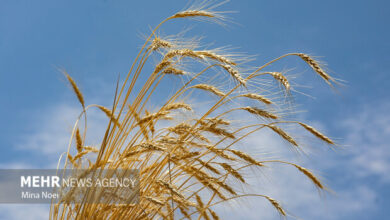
(185, 163)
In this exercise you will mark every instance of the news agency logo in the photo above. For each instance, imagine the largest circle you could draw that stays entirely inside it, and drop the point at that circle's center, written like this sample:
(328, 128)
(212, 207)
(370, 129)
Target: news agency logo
(69, 186)
(55, 181)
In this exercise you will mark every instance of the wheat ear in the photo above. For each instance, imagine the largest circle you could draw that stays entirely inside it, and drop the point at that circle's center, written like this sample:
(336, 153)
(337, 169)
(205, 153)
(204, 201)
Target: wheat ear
(317, 133)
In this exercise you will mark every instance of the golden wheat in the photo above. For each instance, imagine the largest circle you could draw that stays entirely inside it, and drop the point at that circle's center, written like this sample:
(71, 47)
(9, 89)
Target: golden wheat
(185, 163)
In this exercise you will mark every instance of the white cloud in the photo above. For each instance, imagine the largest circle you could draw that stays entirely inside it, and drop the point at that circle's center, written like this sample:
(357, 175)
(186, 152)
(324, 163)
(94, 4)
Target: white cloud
(52, 131)
(369, 140)
(24, 211)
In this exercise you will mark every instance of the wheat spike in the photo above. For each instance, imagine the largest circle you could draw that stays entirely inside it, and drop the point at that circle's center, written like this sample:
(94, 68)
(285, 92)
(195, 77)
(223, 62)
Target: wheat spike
(232, 171)
(281, 78)
(235, 74)
(174, 71)
(259, 112)
(151, 123)
(72, 160)
(184, 212)
(170, 187)
(209, 88)
(158, 43)
(216, 121)
(310, 175)
(257, 97)
(316, 67)
(317, 133)
(214, 215)
(75, 89)
(224, 186)
(182, 202)
(177, 105)
(193, 13)
(185, 156)
(90, 148)
(153, 117)
(201, 208)
(182, 53)
(246, 157)
(109, 114)
(138, 119)
(162, 65)
(151, 146)
(283, 134)
(216, 57)
(79, 141)
(208, 181)
(219, 152)
(207, 166)
(80, 154)
(136, 152)
(154, 200)
(276, 205)
(217, 131)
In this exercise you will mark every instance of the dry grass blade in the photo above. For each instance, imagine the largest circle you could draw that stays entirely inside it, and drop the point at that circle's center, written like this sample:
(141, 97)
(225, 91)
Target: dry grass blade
(317, 133)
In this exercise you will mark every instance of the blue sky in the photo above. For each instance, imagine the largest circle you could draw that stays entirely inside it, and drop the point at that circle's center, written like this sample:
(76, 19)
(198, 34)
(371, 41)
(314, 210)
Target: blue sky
(96, 40)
